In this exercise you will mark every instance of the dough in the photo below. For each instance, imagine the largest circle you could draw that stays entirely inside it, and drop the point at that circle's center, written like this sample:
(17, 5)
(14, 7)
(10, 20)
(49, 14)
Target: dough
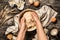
(30, 23)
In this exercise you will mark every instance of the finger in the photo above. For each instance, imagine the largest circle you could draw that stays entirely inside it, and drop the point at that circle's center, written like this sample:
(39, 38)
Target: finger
(22, 24)
(35, 16)
(22, 21)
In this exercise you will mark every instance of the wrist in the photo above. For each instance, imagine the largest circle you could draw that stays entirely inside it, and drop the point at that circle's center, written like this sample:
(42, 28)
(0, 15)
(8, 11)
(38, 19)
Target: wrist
(22, 30)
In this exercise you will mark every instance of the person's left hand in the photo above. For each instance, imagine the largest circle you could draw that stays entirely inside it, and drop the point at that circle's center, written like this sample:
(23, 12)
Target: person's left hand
(23, 29)
(22, 24)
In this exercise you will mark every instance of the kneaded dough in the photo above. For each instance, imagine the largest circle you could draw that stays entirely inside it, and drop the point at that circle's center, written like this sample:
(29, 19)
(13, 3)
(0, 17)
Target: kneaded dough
(29, 20)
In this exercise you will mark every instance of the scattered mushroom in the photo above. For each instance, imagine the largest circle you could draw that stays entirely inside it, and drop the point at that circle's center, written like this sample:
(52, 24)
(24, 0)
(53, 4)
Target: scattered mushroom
(36, 3)
(9, 36)
(53, 19)
(54, 32)
(31, 1)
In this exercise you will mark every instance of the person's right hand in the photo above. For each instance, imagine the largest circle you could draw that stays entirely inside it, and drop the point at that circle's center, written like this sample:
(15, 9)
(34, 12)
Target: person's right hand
(35, 17)
(40, 32)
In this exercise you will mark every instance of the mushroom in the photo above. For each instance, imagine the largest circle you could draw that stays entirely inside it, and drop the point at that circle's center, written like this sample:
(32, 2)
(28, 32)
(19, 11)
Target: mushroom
(9, 36)
(31, 1)
(53, 19)
(54, 32)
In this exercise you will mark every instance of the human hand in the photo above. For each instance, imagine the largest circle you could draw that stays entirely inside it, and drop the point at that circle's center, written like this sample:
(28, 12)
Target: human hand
(22, 24)
(35, 17)
(39, 27)
(23, 29)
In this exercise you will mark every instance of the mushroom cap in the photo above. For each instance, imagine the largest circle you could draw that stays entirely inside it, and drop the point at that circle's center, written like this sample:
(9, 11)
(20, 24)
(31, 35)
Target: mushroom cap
(54, 32)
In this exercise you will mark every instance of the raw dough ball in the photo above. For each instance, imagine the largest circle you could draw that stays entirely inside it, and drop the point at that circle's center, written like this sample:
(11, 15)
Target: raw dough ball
(29, 20)
(28, 16)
